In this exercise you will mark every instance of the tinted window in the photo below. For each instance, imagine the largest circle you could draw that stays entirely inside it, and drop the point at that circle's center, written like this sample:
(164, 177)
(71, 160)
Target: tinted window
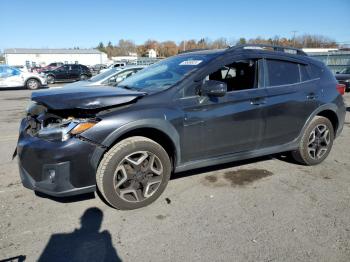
(282, 72)
(239, 75)
(75, 67)
(304, 73)
(315, 71)
(84, 67)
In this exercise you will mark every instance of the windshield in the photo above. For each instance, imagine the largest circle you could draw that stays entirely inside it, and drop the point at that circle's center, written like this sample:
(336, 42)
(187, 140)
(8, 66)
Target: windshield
(345, 71)
(103, 75)
(165, 73)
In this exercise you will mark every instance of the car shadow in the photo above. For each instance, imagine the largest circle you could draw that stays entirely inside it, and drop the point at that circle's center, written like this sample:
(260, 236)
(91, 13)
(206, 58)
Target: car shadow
(67, 199)
(221, 166)
(348, 109)
(14, 259)
(21, 88)
(86, 243)
(285, 157)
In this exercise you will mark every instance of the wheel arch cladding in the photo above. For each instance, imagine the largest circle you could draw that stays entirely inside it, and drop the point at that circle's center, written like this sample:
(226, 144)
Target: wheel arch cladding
(33, 77)
(156, 135)
(331, 116)
(159, 131)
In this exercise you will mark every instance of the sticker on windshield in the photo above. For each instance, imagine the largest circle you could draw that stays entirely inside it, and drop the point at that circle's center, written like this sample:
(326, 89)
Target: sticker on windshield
(191, 62)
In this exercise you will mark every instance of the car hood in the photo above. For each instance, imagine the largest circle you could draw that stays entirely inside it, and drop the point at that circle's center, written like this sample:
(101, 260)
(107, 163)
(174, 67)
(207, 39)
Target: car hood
(78, 84)
(83, 97)
(342, 76)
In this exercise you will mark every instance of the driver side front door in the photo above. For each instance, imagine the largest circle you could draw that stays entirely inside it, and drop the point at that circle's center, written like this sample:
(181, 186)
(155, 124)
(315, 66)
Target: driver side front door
(218, 126)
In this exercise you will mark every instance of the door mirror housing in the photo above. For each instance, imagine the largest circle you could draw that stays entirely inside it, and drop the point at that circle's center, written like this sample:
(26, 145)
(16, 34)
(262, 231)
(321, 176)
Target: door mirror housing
(112, 80)
(214, 88)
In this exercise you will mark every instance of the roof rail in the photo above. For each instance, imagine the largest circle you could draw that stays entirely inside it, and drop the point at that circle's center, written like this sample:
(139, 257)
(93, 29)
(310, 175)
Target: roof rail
(193, 50)
(276, 48)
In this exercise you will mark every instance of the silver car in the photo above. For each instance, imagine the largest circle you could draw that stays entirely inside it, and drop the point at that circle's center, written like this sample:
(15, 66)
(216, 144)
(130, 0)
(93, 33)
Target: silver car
(110, 77)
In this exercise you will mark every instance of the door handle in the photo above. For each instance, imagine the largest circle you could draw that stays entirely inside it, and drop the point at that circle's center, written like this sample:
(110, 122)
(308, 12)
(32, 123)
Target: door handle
(258, 101)
(311, 96)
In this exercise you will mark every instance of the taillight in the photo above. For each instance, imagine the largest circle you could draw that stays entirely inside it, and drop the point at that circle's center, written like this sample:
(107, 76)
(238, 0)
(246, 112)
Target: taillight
(341, 89)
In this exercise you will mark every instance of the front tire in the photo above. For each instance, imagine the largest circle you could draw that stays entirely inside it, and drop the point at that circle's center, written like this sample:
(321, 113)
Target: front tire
(83, 77)
(50, 79)
(316, 142)
(133, 173)
(33, 84)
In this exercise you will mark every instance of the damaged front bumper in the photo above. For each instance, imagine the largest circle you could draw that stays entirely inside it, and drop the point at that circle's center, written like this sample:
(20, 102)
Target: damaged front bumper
(57, 168)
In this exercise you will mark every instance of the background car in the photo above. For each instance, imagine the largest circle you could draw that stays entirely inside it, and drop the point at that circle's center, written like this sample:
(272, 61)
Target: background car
(119, 64)
(343, 77)
(68, 73)
(110, 77)
(51, 66)
(14, 77)
(97, 68)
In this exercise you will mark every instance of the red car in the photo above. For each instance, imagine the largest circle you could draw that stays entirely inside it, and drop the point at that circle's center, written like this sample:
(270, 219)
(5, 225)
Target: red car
(51, 66)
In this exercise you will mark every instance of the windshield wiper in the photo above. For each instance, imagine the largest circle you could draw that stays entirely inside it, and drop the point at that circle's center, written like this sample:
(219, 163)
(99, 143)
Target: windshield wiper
(126, 87)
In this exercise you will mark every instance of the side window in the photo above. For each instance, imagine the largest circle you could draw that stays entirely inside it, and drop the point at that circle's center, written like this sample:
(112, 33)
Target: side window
(240, 75)
(282, 72)
(304, 73)
(315, 71)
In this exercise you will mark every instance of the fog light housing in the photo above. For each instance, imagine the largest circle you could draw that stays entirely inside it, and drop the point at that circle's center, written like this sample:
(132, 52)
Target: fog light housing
(52, 175)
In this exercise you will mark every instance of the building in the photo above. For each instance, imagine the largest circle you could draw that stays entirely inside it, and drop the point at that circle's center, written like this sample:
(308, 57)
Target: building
(335, 59)
(319, 50)
(42, 57)
(151, 53)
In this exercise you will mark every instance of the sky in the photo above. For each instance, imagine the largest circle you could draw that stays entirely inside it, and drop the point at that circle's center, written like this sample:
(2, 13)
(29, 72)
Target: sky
(84, 23)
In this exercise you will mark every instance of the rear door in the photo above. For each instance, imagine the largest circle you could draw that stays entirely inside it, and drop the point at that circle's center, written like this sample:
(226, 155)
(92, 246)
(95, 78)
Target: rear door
(74, 72)
(291, 100)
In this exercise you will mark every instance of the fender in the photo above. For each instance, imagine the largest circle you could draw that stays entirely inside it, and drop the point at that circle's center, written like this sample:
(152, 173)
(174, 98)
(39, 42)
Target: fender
(324, 107)
(32, 77)
(159, 124)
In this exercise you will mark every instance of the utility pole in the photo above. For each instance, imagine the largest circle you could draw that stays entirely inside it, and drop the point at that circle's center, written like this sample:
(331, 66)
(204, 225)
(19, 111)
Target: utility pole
(294, 32)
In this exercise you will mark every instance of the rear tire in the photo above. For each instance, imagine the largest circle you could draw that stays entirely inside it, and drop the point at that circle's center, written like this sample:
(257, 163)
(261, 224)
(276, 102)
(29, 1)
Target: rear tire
(316, 142)
(133, 173)
(33, 84)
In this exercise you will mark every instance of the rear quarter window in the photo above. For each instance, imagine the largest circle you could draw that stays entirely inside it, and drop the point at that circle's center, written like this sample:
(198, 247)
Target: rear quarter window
(305, 74)
(282, 72)
(315, 71)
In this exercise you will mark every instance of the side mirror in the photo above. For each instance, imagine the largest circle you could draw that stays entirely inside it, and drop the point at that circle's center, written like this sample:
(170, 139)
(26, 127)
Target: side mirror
(214, 88)
(112, 80)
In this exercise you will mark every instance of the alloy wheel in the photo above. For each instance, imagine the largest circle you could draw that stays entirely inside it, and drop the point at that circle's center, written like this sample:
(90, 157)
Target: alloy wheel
(319, 140)
(32, 84)
(138, 176)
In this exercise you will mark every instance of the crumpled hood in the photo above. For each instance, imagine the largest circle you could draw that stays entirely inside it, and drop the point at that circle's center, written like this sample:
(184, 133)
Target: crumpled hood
(85, 97)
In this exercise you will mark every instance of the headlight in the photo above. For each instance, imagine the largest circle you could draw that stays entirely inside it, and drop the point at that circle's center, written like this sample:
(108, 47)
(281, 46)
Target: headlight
(81, 127)
(65, 130)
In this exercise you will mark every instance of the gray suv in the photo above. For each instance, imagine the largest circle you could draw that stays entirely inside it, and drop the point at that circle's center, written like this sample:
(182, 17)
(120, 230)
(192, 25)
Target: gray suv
(189, 111)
